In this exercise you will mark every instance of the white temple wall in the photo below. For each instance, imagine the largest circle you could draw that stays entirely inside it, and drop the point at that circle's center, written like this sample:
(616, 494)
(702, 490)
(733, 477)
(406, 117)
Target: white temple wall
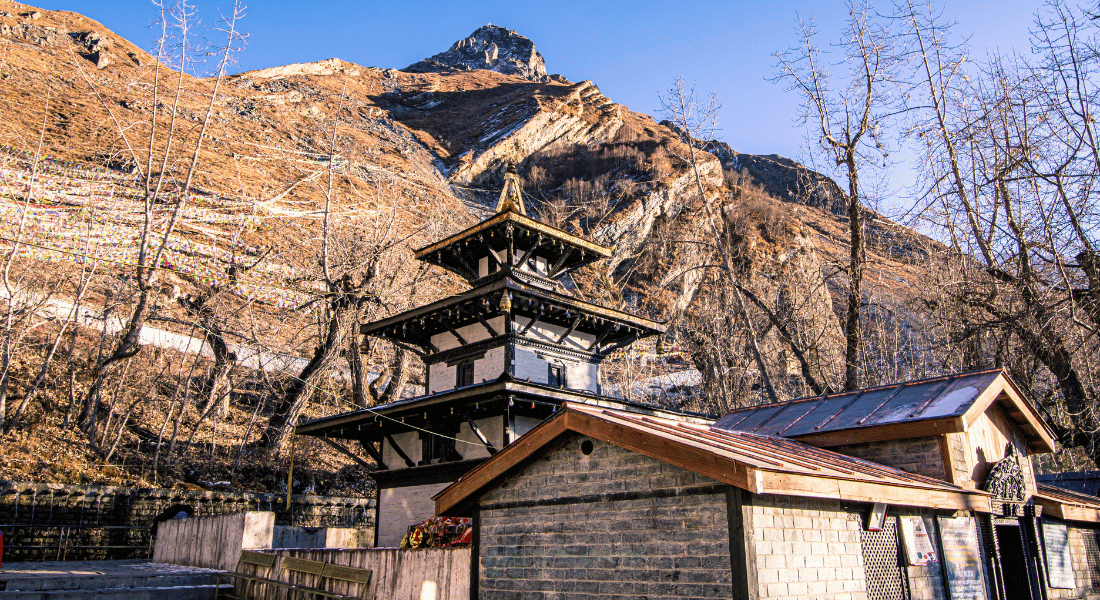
(490, 366)
(483, 263)
(403, 506)
(524, 424)
(529, 366)
(441, 378)
(410, 445)
(470, 447)
(471, 333)
(583, 376)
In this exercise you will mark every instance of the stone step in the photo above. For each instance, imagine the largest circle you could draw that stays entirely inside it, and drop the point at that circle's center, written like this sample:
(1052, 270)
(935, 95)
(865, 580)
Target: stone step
(190, 592)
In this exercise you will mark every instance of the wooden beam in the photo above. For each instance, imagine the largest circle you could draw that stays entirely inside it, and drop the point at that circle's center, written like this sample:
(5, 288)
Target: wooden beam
(347, 453)
(742, 544)
(688, 456)
(795, 484)
(454, 332)
(572, 328)
(880, 433)
(553, 272)
(526, 255)
(480, 436)
(368, 447)
(489, 328)
(400, 452)
(603, 335)
(532, 322)
(470, 271)
(417, 351)
(948, 459)
(484, 474)
(489, 250)
(620, 344)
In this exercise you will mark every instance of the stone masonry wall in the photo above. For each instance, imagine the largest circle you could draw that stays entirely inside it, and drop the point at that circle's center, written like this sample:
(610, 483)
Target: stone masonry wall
(610, 524)
(83, 522)
(916, 455)
(807, 549)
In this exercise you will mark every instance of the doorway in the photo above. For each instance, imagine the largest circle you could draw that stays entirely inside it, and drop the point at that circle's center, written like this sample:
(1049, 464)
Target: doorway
(1014, 562)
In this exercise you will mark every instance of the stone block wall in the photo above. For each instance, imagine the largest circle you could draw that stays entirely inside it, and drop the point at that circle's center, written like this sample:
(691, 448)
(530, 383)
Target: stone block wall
(916, 455)
(82, 522)
(609, 524)
(807, 549)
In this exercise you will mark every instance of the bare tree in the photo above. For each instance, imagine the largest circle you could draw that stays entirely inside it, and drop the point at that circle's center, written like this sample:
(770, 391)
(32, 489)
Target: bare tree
(847, 119)
(697, 121)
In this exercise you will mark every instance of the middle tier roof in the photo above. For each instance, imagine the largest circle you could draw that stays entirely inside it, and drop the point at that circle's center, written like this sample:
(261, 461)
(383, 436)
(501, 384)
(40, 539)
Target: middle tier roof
(417, 326)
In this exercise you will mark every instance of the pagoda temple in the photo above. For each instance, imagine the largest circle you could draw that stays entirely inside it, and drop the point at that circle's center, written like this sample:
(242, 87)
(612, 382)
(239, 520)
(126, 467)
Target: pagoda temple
(499, 359)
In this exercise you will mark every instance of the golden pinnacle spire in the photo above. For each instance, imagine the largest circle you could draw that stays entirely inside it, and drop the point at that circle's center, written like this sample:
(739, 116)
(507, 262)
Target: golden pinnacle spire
(511, 198)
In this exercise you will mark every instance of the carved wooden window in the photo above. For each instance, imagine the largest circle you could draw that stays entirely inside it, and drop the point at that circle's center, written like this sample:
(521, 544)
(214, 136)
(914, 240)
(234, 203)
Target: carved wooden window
(465, 373)
(884, 564)
(555, 377)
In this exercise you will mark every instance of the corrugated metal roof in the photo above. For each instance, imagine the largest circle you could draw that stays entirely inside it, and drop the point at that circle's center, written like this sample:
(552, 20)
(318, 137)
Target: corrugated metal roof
(762, 464)
(942, 397)
(767, 452)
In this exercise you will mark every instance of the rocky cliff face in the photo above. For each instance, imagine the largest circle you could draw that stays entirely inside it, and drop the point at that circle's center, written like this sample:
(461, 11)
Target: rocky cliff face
(490, 47)
(433, 140)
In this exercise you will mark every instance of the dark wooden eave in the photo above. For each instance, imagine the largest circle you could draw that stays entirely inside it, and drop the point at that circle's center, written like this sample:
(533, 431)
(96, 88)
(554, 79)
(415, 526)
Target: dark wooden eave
(416, 326)
(460, 252)
(371, 422)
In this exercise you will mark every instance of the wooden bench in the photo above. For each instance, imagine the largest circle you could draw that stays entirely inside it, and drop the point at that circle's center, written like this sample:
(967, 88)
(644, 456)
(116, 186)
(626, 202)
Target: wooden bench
(291, 565)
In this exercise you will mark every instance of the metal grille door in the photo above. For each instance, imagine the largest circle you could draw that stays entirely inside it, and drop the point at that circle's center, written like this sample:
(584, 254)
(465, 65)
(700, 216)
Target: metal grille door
(886, 576)
(1092, 554)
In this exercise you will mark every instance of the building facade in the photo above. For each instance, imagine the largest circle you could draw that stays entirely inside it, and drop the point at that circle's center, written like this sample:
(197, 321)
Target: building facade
(499, 358)
(920, 491)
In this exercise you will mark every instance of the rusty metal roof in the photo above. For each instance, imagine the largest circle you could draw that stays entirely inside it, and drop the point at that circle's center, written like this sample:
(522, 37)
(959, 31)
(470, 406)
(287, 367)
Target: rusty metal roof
(1066, 496)
(759, 463)
(1066, 504)
(942, 402)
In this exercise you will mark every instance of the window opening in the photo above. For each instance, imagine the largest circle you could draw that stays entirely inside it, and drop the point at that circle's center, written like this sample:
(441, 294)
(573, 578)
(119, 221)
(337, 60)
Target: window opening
(465, 373)
(555, 377)
(438, 448)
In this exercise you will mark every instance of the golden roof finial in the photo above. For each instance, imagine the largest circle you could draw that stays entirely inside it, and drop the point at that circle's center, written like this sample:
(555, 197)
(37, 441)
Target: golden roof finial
(511, 198)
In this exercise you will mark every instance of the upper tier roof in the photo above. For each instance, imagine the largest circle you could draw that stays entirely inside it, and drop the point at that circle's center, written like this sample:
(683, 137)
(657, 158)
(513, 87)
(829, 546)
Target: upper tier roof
(461, 252)
(513, 234)
(904, 410)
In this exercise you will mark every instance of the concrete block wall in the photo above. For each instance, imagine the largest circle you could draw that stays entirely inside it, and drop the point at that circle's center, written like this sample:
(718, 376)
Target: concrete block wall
(916, 455)
(807, 549)
(610, 524)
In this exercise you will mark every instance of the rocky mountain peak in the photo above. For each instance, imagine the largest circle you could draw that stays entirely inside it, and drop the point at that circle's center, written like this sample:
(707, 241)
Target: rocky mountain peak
(490, 47)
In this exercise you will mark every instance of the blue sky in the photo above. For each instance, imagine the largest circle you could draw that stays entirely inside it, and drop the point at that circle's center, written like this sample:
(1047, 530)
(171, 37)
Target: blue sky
(630, 50)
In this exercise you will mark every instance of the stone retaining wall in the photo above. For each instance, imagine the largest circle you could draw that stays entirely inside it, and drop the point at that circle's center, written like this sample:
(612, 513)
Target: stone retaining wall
(88, 522)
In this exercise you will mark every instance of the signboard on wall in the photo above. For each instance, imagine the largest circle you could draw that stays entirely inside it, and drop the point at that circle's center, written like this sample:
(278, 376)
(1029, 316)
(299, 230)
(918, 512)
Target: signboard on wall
(962, 558)
(918, 545)
(1056, 552)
